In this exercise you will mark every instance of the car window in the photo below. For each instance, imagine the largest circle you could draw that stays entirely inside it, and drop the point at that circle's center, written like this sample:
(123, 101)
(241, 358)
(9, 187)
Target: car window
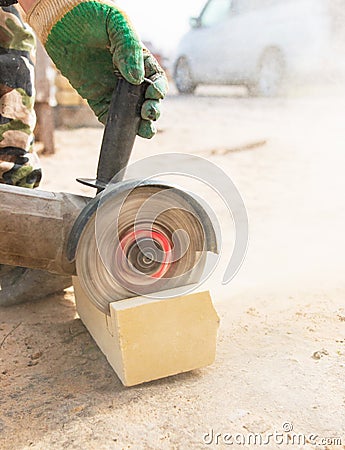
(240, 6)
(215, 11)
(243, 6)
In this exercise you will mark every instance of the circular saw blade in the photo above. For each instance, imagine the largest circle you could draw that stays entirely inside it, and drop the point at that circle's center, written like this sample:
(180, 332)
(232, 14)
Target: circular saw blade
(140, 242)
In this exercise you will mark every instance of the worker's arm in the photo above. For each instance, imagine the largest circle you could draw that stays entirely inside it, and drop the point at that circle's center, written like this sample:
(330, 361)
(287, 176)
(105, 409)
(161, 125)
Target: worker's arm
(19, 165)
(88, 41)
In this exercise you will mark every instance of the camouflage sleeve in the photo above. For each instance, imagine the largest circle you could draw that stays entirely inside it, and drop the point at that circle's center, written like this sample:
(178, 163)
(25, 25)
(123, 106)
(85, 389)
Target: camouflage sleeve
(19, 165)
(8, 2)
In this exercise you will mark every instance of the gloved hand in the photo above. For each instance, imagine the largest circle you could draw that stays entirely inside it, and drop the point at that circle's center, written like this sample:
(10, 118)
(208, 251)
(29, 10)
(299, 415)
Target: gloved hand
(19, 168)
(88, 40)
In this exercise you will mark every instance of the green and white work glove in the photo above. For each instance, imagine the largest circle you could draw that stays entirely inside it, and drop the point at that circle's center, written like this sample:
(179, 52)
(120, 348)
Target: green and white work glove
(88, 40)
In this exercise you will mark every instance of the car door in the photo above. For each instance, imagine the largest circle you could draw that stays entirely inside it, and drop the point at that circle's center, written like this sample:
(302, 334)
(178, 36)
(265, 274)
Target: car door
(209, 38)
(244, 39)
(226, 41)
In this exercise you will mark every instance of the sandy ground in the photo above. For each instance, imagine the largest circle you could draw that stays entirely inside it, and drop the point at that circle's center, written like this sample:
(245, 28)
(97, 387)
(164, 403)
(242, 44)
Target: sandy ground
(281, 345)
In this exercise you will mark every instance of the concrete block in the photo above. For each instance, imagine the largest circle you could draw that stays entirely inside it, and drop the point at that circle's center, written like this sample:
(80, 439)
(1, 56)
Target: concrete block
(146, 339)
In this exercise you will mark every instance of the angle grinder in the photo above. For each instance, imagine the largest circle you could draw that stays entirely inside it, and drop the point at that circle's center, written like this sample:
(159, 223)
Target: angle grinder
(135, 237)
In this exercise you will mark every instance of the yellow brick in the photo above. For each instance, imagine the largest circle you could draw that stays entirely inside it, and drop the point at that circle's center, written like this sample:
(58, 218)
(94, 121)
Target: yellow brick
(62, 83)
(147, 339)
(68, 98)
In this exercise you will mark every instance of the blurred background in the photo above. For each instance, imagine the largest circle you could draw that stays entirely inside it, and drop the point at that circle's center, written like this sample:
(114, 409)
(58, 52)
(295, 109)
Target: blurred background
(270, 48)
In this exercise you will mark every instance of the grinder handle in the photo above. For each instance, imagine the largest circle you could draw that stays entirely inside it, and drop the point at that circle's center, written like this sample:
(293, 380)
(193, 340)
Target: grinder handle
(120, 131)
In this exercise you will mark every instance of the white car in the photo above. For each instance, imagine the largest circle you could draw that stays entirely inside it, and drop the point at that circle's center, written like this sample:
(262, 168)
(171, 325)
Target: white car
(261, 44)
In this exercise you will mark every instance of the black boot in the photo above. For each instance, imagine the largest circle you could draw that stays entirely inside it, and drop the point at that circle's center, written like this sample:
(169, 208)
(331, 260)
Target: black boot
(18, 284)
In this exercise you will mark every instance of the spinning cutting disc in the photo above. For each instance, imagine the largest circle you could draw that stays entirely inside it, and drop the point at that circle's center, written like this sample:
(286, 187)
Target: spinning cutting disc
(142, 241)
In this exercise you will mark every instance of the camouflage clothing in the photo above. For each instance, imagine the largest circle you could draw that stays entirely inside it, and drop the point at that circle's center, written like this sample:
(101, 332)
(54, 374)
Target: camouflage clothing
(8, 2)
(18, 164)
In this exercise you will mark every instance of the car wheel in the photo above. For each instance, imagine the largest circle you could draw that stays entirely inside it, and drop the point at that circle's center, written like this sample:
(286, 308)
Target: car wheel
(270, 75)
(183, 78)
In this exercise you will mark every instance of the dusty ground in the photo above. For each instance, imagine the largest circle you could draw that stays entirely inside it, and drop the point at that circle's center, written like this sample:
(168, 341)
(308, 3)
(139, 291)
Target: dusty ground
(281, 345)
